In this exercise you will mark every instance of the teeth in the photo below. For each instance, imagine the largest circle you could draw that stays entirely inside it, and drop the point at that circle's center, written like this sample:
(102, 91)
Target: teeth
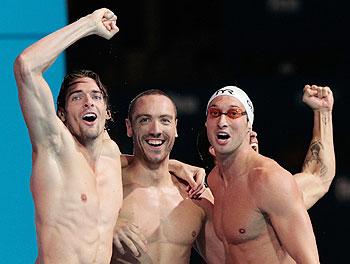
(89, 115)
(155, 142)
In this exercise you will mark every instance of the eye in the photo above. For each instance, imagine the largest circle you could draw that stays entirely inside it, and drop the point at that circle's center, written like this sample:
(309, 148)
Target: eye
(97, 97)
(235, 113)
(144, 120)
(214, 112)
(165, 121)
(76, 97)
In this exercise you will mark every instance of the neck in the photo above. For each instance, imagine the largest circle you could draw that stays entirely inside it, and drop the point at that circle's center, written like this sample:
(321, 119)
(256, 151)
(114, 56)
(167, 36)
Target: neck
(235, 163)
(152, 174)
(91, 149)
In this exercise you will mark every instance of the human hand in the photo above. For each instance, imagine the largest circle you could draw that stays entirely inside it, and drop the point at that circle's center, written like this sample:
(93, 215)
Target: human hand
(193, 175)
(129, 234)
(318, 98)
(196, 178)
(254, 141)
(105, 23)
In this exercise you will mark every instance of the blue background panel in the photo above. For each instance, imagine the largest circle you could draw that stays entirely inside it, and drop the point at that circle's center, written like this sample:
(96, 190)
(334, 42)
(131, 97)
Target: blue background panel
(22, 24)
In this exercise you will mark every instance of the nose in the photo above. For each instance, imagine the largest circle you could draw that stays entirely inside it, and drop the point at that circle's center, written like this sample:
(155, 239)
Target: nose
(222, 121)
(155, 129)
(88, 101)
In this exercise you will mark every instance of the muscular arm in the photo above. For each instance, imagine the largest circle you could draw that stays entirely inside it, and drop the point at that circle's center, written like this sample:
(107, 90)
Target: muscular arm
(34, 93)
(319, 165)
(278, 196)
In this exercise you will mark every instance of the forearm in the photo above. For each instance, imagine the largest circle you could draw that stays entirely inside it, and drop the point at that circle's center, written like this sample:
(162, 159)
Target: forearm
(320, 158)
(39, 56)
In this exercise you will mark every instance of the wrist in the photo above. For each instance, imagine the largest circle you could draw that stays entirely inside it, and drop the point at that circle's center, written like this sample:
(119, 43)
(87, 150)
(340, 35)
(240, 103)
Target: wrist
(322, 111)
(88, 23)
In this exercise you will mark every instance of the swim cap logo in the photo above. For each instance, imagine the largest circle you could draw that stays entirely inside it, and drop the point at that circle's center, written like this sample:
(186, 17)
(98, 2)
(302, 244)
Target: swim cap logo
(222, 91)
(250, 105)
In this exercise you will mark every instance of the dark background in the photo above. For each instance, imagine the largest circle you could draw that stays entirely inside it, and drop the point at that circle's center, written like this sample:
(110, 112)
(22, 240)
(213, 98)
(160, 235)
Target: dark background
(269, 48)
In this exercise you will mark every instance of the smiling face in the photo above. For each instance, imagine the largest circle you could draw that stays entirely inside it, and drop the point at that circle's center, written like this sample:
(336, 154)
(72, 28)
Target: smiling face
(153, 128)
(226, 134)
(85, 110)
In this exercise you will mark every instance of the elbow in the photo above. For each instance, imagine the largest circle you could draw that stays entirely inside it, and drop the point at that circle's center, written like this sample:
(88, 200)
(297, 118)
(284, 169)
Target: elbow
(22, 67)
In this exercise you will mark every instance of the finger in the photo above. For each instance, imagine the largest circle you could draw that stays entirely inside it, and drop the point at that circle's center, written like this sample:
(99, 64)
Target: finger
(308, 92)
(135, 229)
(328, 93)
(192, 183)
(107, 25)
(139, 241)
(119, 245)
(307, 88)
(255, 147)
(109, 15)
(320, 92)
(198, 192)
(200, 177)
(253, 134)
(129, 243)
(114, 25)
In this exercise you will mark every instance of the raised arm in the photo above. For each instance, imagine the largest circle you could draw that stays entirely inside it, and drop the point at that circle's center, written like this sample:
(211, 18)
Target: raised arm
(35, 96)
(319, 165)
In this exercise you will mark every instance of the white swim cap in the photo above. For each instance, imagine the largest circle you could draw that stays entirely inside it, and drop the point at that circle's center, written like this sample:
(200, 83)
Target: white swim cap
(240, 95)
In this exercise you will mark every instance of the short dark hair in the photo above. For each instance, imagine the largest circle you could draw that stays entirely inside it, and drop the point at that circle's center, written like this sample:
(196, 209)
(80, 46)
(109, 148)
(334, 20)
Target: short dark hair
(145, 93)
(77, 74)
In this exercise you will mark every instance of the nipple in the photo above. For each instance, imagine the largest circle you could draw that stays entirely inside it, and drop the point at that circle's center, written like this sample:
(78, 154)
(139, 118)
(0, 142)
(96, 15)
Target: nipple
(83, 197)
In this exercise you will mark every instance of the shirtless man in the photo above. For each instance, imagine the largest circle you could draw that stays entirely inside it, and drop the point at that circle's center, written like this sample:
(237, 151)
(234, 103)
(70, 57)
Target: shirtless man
(154, 207)
(154, 201)
(75, 182)
(259, 212)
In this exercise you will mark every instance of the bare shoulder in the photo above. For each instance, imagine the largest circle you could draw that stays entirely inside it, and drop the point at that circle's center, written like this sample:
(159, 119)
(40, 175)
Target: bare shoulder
(270, 183)
(212, 178)
(110, 148)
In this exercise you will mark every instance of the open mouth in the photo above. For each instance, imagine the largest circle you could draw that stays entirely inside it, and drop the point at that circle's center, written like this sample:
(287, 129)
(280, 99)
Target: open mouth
(89, 117)
(223, 136)
(155, 142)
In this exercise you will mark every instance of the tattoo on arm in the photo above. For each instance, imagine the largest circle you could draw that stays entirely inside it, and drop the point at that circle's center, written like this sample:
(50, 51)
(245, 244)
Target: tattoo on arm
(313, 155)
(325, 120)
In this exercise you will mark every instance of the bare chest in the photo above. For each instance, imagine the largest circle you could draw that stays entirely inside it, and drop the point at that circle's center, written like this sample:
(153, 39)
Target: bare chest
(162, 214)
(72, 189)
(236, 217)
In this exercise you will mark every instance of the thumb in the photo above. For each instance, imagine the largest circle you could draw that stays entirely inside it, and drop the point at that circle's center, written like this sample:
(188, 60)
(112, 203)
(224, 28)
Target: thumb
(192, 183)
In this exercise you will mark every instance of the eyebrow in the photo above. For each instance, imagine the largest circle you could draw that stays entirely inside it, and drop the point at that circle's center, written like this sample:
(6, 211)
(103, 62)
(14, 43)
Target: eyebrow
(76, 91)
(80, 91)
(233, 106)
(148, 115)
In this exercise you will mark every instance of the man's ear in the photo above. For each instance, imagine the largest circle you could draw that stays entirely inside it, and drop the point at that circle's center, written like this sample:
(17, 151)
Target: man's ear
(61, 114)
(212, 151)
(128, 127)
(176, 135)
(108, 114)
